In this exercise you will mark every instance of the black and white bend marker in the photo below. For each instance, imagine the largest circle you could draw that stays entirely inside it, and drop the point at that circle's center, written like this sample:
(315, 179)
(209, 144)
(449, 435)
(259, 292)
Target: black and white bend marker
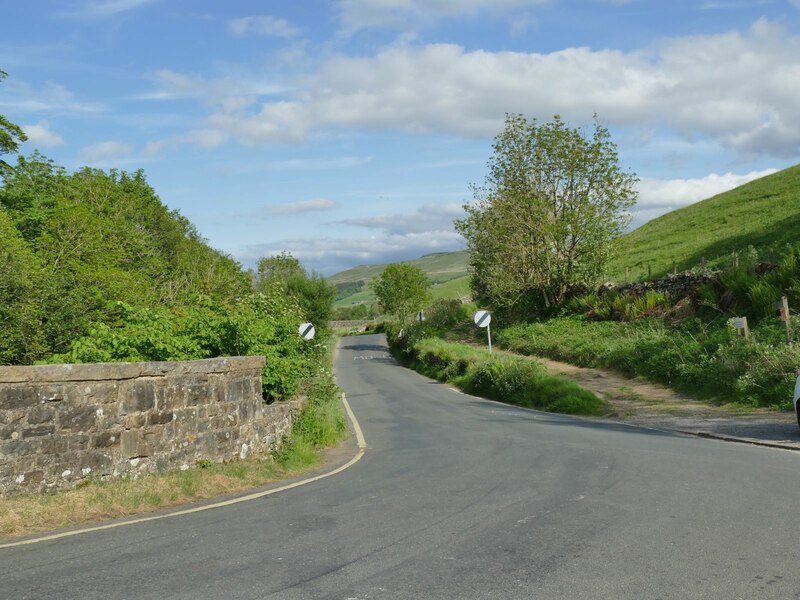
(482, 319)
(307, 331)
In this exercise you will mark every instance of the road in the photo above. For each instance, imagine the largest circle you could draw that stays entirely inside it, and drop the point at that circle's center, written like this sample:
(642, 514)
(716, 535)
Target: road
(460, 498)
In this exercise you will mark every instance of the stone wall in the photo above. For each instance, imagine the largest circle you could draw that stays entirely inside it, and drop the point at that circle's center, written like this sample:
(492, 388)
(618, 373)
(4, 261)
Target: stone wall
(679, 284)
(60, 424)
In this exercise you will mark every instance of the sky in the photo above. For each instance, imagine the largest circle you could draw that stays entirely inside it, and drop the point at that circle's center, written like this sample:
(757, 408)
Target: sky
(351, 132)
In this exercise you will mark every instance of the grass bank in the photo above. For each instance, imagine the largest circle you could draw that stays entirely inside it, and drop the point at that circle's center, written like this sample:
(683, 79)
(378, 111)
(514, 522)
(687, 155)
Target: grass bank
(702, 360)
(321, 424)
(500, 376)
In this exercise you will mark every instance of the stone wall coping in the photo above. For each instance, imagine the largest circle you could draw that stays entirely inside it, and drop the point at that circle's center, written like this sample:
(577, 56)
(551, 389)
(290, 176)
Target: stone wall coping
(126, 370)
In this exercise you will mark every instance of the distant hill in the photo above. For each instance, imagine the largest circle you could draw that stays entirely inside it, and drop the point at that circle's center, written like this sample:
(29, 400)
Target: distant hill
(757, 218)
(441, 267)
(764, 214)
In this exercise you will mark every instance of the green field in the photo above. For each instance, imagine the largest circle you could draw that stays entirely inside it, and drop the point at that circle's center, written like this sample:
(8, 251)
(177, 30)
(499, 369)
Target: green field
(764, 214)
(446, 270)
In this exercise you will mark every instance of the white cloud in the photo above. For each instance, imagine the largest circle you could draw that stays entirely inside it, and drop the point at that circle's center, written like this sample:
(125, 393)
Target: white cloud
(427, 219)
(263, 25)
(50, 97)
(659, 196)
(104, 153)
(106, 8)
(302, 206)
(328, 255)
(397, 237)
(315, 164)
(739, 89)
(364, 14)
(42, 136)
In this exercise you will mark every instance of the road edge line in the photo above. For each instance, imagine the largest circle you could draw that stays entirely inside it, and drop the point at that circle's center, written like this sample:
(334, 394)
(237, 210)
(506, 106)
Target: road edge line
(246, 498)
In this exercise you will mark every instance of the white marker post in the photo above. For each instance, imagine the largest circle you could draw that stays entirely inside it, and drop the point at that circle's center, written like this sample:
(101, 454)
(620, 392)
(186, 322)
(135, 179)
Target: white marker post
(306, 331)
(482, 319)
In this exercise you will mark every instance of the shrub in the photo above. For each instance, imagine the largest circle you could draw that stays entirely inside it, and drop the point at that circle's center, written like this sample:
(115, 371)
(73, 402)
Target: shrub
(260, 324)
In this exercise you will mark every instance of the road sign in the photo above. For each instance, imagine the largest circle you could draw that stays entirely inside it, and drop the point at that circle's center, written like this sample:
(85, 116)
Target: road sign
(482, 318)
(306, 331)
(740, 324)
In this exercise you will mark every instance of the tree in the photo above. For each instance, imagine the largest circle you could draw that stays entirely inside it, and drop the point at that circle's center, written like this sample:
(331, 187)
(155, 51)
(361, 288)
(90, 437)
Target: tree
(402, 290)
(554, 201)
(313, 293)
(11, 135)
(20, 337)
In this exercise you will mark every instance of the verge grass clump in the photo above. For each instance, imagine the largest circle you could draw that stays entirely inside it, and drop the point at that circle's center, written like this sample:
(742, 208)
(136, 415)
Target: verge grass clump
(500, 376)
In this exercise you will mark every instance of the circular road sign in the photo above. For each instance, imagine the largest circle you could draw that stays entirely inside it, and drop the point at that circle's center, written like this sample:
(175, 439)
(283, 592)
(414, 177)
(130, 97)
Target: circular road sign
(482, 318)
(306, 331)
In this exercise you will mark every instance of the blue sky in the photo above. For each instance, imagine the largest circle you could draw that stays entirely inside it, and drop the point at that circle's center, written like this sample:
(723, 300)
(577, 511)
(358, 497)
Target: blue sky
(348, 132)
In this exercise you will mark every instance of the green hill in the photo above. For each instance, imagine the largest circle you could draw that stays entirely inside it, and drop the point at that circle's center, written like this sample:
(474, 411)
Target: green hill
(763, 214)
(442, 267)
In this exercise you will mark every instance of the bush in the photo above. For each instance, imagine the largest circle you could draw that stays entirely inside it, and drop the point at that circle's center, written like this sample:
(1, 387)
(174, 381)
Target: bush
(258, 325)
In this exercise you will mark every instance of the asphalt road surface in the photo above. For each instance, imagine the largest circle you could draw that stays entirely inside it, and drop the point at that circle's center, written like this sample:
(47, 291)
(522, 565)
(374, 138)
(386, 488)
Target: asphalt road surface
(462, 498)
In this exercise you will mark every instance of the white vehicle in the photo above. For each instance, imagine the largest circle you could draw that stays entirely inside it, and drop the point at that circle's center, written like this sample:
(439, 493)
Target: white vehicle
(797, 396)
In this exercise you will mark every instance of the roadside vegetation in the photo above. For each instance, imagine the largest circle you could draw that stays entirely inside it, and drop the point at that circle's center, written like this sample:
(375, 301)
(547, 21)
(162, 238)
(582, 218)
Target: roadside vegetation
(499, 376)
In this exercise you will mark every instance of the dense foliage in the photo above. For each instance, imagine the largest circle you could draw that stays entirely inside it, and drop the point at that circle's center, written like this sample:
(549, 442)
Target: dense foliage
(82, 242)
(312, 292)
(94, 268)
(554, 201)
(402, 290)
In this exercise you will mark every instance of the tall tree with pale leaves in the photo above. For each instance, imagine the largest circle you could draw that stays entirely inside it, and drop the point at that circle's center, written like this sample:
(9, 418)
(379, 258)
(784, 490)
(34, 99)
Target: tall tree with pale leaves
(554, 201)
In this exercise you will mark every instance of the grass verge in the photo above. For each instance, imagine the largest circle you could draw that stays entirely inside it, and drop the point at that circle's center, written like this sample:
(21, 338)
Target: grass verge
(500, 376)
(321, 424)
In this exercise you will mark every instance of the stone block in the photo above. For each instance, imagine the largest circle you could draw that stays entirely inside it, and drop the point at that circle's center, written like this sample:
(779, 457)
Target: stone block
(160, 418)
(135, 421)
(137, 396)
(18, 396)
(55, 444)
(77, 418)
(137, 443)
(78, 441)
(198, 392)
(41, 413)
(105, 439)
(38, 430)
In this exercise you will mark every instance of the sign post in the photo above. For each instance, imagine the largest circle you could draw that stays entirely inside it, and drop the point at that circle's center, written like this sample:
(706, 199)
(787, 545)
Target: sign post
(783, 306)
(482, 319)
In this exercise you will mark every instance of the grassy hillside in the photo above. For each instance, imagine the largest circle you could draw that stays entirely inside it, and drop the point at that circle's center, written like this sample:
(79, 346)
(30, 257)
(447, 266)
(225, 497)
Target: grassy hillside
(764, 213)
(441, 268)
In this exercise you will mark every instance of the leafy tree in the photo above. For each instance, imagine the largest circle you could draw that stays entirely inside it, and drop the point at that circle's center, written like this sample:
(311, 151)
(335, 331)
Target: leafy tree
(402, 290)
(11, 135)
(20, 337)
(312, 292)
(554, 201)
